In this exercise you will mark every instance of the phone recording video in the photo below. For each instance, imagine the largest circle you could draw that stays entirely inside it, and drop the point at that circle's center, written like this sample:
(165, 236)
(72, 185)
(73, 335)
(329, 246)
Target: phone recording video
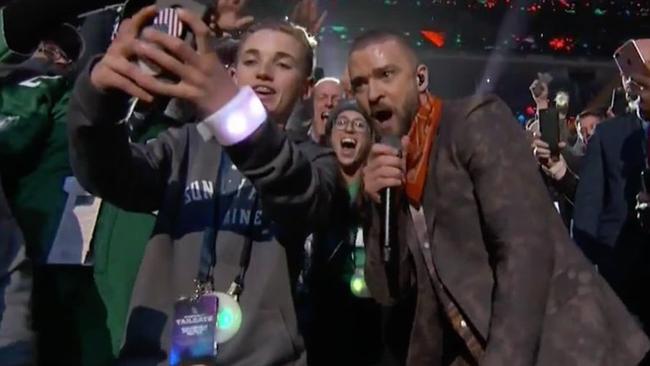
(549, 127)
(168, 21)
(632, 56)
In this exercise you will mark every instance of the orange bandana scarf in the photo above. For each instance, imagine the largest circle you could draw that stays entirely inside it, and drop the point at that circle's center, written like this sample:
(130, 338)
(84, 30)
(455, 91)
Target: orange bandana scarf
(422, 135)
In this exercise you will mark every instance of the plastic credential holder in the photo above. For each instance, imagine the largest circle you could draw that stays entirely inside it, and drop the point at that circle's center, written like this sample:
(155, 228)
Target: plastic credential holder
(209, 317)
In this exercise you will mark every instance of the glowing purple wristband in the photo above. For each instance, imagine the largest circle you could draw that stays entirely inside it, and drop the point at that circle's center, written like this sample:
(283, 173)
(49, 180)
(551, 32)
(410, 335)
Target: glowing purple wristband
(236, 120)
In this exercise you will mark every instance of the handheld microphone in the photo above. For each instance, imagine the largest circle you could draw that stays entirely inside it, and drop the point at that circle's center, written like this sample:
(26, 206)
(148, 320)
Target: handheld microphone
(387, 202)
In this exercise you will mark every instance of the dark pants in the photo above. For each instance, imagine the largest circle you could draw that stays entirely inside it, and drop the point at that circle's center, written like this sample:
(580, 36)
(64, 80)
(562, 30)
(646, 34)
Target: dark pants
(69, 317)
(16, 336)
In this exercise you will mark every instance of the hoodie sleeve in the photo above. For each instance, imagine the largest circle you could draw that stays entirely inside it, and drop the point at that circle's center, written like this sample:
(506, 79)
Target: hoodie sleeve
(297, 182)
(131, 176)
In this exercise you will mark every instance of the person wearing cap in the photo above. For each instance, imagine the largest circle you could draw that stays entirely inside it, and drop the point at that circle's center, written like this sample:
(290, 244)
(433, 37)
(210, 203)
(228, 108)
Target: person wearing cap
(79, 311)
(35, 165)
(345, 323)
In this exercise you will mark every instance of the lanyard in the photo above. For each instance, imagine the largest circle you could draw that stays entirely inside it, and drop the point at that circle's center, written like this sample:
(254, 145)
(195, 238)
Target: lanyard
(208, 260)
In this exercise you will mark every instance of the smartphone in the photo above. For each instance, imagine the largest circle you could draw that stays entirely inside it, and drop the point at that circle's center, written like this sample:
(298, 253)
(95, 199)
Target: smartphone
(632, 56)
(549, 127)
(168, 21)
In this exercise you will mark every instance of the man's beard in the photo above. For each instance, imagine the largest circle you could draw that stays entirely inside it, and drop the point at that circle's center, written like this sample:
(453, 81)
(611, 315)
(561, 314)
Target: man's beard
(410, 112)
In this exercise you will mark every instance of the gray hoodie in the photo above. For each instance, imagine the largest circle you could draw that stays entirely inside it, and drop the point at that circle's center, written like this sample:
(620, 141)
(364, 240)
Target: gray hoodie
(175, 175)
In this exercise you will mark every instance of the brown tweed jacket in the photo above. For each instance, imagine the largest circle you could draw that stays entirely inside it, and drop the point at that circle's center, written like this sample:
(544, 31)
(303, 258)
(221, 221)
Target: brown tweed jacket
(503, 254)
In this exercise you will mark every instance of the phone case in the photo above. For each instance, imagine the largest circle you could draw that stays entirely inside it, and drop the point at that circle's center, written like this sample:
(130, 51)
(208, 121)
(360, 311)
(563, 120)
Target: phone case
(549, 126)
(632, 56)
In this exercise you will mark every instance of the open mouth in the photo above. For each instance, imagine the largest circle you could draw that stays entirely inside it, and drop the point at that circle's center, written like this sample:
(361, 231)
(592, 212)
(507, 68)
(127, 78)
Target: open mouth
(325, 115)
(348, 145)
(382, 115)
(263, 90)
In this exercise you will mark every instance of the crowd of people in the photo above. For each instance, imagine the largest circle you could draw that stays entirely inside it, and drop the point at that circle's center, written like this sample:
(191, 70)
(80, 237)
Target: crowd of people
(148, 172)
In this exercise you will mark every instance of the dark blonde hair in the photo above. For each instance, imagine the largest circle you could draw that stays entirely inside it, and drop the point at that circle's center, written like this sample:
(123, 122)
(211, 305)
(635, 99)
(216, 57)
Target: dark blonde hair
(287, 28)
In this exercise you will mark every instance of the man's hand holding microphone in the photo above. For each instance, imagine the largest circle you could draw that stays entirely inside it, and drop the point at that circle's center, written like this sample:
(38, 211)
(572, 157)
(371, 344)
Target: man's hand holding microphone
(383, 175)
(385, 168)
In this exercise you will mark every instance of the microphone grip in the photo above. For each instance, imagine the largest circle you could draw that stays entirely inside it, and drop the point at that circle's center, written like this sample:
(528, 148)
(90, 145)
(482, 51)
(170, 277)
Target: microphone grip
(388, 202)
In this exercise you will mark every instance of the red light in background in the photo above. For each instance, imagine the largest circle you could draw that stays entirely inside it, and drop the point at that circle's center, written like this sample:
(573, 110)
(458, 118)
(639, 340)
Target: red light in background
(530, 110)
(561, 44)
(437, 38)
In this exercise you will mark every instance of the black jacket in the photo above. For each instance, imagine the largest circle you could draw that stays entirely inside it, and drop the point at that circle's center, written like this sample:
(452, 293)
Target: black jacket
(605, 226)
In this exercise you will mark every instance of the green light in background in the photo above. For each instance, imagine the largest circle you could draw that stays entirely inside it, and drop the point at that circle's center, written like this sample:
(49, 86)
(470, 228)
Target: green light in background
(358, 284)
(339, 28)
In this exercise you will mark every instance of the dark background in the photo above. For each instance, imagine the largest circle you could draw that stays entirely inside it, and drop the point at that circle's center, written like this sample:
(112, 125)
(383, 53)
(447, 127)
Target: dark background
(507, 42)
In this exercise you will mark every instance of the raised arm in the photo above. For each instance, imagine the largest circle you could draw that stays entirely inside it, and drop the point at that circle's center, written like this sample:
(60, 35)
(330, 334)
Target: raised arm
(298, 183)
(132, 176)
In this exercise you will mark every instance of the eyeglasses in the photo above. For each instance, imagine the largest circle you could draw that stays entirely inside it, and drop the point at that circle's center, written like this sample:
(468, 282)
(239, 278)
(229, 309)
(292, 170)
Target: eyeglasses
(54, 53)
(358, 125)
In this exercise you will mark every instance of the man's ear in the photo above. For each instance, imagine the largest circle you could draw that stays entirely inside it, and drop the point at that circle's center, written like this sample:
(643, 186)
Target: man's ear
(422, 74)
(308, 89)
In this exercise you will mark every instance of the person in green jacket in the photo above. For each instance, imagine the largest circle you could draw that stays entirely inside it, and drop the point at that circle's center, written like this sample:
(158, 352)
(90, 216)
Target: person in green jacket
(79, 312)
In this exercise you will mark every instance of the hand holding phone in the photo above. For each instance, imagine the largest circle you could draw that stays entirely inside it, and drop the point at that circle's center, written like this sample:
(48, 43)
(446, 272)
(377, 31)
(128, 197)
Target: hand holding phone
(549, 127)
(539, 87)
(632, 56)
(168, 22)
(203, 80)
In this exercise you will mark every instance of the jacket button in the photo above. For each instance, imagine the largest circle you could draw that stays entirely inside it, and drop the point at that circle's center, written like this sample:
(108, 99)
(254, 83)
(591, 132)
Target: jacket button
(463, 324)
(426, 245)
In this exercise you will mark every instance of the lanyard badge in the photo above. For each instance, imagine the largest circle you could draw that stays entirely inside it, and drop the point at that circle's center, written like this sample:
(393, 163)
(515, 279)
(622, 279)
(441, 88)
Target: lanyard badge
(209, 317)
(194, 330)
(202, 322)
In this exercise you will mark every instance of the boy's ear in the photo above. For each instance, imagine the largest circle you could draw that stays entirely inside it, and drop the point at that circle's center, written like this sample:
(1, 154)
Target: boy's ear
(308, 88)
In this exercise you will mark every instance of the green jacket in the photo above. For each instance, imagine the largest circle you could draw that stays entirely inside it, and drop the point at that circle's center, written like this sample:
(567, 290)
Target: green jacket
(34, 161)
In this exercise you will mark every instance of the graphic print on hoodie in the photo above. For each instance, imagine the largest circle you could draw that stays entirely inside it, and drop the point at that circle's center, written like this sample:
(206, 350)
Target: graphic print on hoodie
(235, 201)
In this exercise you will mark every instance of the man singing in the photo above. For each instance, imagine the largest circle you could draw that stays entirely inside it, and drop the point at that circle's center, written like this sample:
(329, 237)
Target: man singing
(247, 197)
(498, 280)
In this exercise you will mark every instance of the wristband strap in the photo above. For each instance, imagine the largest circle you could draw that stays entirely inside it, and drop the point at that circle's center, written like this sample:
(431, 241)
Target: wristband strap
(236, 120)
